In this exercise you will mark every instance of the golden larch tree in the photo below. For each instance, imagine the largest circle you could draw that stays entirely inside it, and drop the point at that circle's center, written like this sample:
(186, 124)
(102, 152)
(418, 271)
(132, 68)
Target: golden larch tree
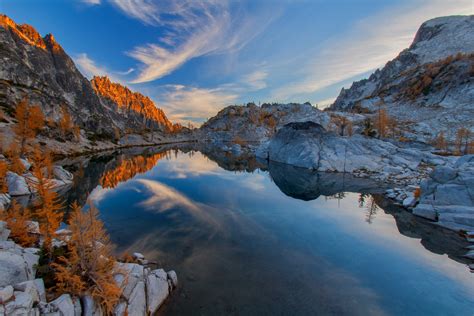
(87, 267)
(17, 219)
(3, 176)
(440, 142)
(463, 136)
(382, 122)
(30, 120)
(49, 206)
(13, 154)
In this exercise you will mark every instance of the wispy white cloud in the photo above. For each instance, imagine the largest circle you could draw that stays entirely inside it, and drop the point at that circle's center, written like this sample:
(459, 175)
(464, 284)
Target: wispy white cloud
(190, 104)
(368, 45)
(322, 104)
(124, 73)
(89, 67)
(193, 28)
(256, 79)
(91, 2)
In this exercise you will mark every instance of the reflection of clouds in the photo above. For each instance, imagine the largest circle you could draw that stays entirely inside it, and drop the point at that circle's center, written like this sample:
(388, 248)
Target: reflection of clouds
(164, 198)
(184, 166)
(98, 194)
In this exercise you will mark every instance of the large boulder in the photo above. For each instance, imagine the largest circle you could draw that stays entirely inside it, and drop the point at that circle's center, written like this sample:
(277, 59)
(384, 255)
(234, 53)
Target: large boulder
(448, 195)
(64, 305)
(137, 300)
(17, 184)
(308, 145)
(157, 289)
(62, 174)
(13, 268)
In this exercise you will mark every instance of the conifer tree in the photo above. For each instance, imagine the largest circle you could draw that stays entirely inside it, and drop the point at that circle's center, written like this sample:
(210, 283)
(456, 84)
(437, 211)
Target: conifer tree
(3, 176)
(30, 120)
(88, 266)
(13, 155)
(49, 206)
(17, 219)
(440, 142)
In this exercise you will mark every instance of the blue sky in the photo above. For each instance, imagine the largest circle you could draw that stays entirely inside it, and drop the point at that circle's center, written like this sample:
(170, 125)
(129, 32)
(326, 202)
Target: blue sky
(193, 57)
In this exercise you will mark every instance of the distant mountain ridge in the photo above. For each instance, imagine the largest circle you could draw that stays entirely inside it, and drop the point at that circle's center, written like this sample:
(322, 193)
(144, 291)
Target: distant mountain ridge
(428, 87)
(38, 68)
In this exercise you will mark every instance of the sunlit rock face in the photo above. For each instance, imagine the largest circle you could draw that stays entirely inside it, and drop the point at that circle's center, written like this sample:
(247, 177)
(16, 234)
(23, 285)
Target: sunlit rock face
(428, 87)
(139, 110)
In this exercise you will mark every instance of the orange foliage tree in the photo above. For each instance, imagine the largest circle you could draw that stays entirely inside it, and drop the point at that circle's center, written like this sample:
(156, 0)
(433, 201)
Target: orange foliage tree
(48, 205)
(3, 176)
(440, 142)
(30, 120)
(463, 136)
(87, 267)
(17, 219)
(382, 122)
(65, 123)
(13, 154)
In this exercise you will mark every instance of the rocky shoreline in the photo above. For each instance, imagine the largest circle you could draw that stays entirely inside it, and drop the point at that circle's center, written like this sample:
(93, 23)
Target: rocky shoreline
(144, 289)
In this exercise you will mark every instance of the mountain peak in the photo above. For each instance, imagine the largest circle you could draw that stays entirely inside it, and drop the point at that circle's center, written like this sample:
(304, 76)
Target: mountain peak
(25, 31)
(29, 34)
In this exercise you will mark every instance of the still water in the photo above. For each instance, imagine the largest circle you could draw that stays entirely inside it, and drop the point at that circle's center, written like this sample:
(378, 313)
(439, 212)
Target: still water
(250, 239)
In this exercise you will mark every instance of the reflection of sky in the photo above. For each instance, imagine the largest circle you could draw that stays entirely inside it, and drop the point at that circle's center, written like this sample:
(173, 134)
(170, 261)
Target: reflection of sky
(214, 226)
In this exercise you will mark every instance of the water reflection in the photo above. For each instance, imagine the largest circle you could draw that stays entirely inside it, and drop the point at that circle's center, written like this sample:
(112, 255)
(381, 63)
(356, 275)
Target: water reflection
(329, 245)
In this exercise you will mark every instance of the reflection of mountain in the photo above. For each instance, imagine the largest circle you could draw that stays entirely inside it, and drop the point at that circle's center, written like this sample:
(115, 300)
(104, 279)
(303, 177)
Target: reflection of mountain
(129, 168)
(108, 169)
(227, 161)
(435, 239)
(304, 184)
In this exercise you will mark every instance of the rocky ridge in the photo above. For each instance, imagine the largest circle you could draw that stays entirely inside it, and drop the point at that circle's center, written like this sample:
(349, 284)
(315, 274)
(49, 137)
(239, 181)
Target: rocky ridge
(429, 87)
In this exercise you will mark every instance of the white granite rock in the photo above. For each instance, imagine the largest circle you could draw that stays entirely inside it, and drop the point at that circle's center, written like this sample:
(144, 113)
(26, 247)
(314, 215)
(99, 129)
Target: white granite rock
(13, 268)
(17, 184)
(173, 277)
(156, 289)
(137, 301)
(6, 294)
(64, 305)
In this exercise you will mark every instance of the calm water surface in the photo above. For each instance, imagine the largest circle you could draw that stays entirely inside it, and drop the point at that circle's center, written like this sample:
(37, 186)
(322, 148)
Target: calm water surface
(277, 241)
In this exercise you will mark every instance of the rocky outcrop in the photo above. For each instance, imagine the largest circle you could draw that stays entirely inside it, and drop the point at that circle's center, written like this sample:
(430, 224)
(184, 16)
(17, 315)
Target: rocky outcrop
(25, 184)
(429, 87)
(143, 290)
(310, 146)
(447, 196)
(252, 123)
